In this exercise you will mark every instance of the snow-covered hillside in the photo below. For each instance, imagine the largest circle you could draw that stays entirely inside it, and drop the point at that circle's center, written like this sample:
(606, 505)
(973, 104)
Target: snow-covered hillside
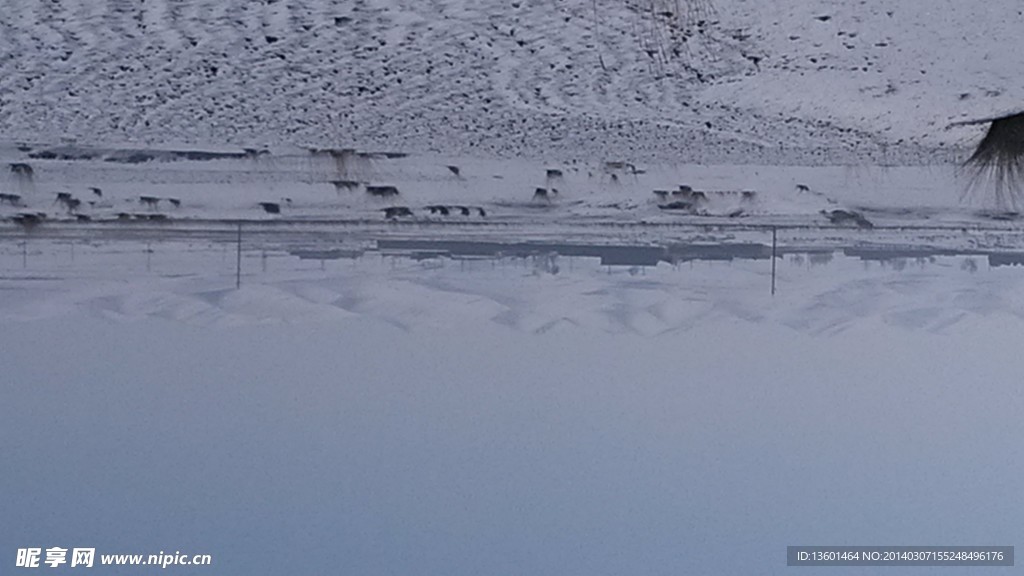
(772, 81)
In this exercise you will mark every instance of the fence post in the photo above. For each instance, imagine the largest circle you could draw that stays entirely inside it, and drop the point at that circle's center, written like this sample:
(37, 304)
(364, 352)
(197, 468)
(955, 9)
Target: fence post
(238, 259)
(774, 247)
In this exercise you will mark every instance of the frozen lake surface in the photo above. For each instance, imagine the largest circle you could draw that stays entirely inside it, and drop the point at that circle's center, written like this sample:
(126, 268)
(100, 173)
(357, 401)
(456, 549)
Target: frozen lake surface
(399, 403)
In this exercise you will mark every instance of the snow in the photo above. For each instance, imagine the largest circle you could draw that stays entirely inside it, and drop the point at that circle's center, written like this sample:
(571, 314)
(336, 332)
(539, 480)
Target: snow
(210, 185)
(541, 80)
(587, 381)
(730, 96)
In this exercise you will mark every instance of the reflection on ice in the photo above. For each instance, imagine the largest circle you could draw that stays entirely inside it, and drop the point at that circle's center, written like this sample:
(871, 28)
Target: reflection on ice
(644, 288)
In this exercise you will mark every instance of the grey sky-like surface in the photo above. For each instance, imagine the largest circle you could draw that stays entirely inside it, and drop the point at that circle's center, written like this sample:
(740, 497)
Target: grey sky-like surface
(360, 448)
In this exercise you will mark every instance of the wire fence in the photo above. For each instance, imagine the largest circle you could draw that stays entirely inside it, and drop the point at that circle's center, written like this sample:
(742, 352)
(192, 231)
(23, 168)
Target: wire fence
(238, 253)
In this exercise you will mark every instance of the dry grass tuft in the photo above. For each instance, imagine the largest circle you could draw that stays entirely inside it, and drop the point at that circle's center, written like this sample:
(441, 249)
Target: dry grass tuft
(999, 160)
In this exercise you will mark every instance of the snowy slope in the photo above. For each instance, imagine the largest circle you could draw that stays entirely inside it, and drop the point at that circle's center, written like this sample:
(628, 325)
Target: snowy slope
(189, 186)
(775, 81)
(901, 71)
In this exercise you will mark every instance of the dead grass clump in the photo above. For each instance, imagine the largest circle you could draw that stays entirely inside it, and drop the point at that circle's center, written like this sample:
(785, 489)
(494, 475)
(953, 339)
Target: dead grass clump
(999, 159)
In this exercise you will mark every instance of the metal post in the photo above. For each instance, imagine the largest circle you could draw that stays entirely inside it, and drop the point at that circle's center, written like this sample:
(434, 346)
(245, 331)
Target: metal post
(238, 259)
(774, 247)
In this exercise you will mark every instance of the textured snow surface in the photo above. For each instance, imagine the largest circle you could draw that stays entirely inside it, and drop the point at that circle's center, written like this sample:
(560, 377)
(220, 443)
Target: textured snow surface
(753, 81)
(188, 185)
